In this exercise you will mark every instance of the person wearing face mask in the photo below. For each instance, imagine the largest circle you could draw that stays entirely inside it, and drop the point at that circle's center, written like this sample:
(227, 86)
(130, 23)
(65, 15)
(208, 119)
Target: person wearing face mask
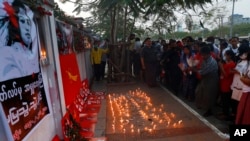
(239, 70)
(243, 109)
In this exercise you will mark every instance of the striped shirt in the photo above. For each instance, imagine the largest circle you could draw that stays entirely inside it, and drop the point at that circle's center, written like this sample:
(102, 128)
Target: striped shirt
(208, 66)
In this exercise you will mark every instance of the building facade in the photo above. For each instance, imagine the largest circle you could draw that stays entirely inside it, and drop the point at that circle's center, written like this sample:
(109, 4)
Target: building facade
(239, 19)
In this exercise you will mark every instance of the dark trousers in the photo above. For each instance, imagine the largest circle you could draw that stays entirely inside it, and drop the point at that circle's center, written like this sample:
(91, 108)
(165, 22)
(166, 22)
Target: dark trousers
(188, 86)
(137, 64)
(226, 102)
(234, 104)
(97, 71)
(175, 75)
(103, 65)
(150, 74)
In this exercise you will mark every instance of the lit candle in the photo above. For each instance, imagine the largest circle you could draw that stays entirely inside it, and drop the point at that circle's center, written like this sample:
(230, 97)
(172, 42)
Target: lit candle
(174, 125)
(154, 127)
(162, 106)
(132, 126)
(180, 121)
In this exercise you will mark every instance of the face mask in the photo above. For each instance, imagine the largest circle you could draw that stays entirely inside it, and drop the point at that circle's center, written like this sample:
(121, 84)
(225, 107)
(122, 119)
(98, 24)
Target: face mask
(243, 56)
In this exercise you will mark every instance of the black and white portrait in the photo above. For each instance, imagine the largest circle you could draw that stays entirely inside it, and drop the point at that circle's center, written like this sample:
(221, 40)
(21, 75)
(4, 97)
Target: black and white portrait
(18, 41)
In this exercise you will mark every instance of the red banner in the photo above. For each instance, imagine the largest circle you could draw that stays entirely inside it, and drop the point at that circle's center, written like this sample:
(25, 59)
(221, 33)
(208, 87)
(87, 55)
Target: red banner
(70, 76)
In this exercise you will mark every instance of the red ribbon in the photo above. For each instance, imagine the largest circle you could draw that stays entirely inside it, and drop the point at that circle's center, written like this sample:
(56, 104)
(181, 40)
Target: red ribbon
(11, 12)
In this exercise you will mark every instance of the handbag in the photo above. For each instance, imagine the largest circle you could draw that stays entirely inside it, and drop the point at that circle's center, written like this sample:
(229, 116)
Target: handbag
(236, 95)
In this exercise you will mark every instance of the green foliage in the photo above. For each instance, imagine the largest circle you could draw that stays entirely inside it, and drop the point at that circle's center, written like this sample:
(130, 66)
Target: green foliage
(160, 12)
(60, 14)
(239, 30)
(73, 129)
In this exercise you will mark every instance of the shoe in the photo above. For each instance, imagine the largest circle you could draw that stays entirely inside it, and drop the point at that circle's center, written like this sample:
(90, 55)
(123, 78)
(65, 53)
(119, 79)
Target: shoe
(207, 113)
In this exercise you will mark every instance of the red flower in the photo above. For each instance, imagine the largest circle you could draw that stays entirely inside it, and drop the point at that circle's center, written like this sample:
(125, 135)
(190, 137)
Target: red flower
(11, 12)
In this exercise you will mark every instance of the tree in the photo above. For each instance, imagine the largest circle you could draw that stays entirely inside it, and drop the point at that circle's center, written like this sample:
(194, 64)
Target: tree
(148, 9)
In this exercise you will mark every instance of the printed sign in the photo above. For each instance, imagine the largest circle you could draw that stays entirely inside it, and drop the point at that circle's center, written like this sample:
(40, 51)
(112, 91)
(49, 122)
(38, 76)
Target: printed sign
(23, 102)
(78, 41)
(64, 34)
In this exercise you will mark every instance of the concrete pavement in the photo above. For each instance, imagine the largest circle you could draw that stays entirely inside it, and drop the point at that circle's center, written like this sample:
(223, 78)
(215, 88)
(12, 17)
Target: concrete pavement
(194, 127)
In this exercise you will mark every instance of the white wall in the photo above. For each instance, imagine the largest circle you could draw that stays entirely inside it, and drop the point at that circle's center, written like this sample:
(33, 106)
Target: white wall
(81, 64)
(89, 69)
(2, 131)
(51, 125)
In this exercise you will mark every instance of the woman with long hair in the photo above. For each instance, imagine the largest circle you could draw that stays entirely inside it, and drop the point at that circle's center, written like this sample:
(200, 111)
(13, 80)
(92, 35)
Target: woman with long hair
(243, 110)
(19, 57)
(226, 79)
(189, 78)
(240, 69)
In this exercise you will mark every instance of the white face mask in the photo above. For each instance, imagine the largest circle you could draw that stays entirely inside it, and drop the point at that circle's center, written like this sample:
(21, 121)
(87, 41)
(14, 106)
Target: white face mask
(243, 56)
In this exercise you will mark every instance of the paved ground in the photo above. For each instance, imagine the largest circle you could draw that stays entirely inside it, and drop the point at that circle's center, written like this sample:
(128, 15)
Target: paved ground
(192, 128)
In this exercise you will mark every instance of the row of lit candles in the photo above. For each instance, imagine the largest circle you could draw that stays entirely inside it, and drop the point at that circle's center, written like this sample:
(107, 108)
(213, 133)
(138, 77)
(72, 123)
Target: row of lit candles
(139, 102)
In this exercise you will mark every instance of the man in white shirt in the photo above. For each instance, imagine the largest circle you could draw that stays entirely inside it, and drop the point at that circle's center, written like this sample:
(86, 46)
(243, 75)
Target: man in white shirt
(233, 45)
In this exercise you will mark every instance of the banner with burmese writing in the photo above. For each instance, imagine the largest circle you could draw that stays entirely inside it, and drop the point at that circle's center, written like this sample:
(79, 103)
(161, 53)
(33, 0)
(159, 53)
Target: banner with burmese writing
(23, 102)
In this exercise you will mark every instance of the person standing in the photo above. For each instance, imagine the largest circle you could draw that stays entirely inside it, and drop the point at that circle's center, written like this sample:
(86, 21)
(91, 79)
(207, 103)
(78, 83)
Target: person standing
(207, 90)
(234, 45)
(96, 56)
(172, 62)
(189, 78)
(223, 48)
(104, 46)
(131, 53)
(137, 61)
(237, 84)
(226, 79)
(149, 62)
(214, 48)
(243, 110)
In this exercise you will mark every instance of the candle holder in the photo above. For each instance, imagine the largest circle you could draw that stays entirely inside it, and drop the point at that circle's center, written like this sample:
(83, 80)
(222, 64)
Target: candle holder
(43, 58)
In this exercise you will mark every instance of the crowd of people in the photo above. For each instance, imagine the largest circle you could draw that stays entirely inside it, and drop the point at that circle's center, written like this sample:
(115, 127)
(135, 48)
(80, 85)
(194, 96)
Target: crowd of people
(201, 71)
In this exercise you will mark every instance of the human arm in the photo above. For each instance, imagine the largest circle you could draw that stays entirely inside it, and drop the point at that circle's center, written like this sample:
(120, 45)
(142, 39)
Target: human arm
(235, 71)
(245, 79)
(222, 68)
(105, 51)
